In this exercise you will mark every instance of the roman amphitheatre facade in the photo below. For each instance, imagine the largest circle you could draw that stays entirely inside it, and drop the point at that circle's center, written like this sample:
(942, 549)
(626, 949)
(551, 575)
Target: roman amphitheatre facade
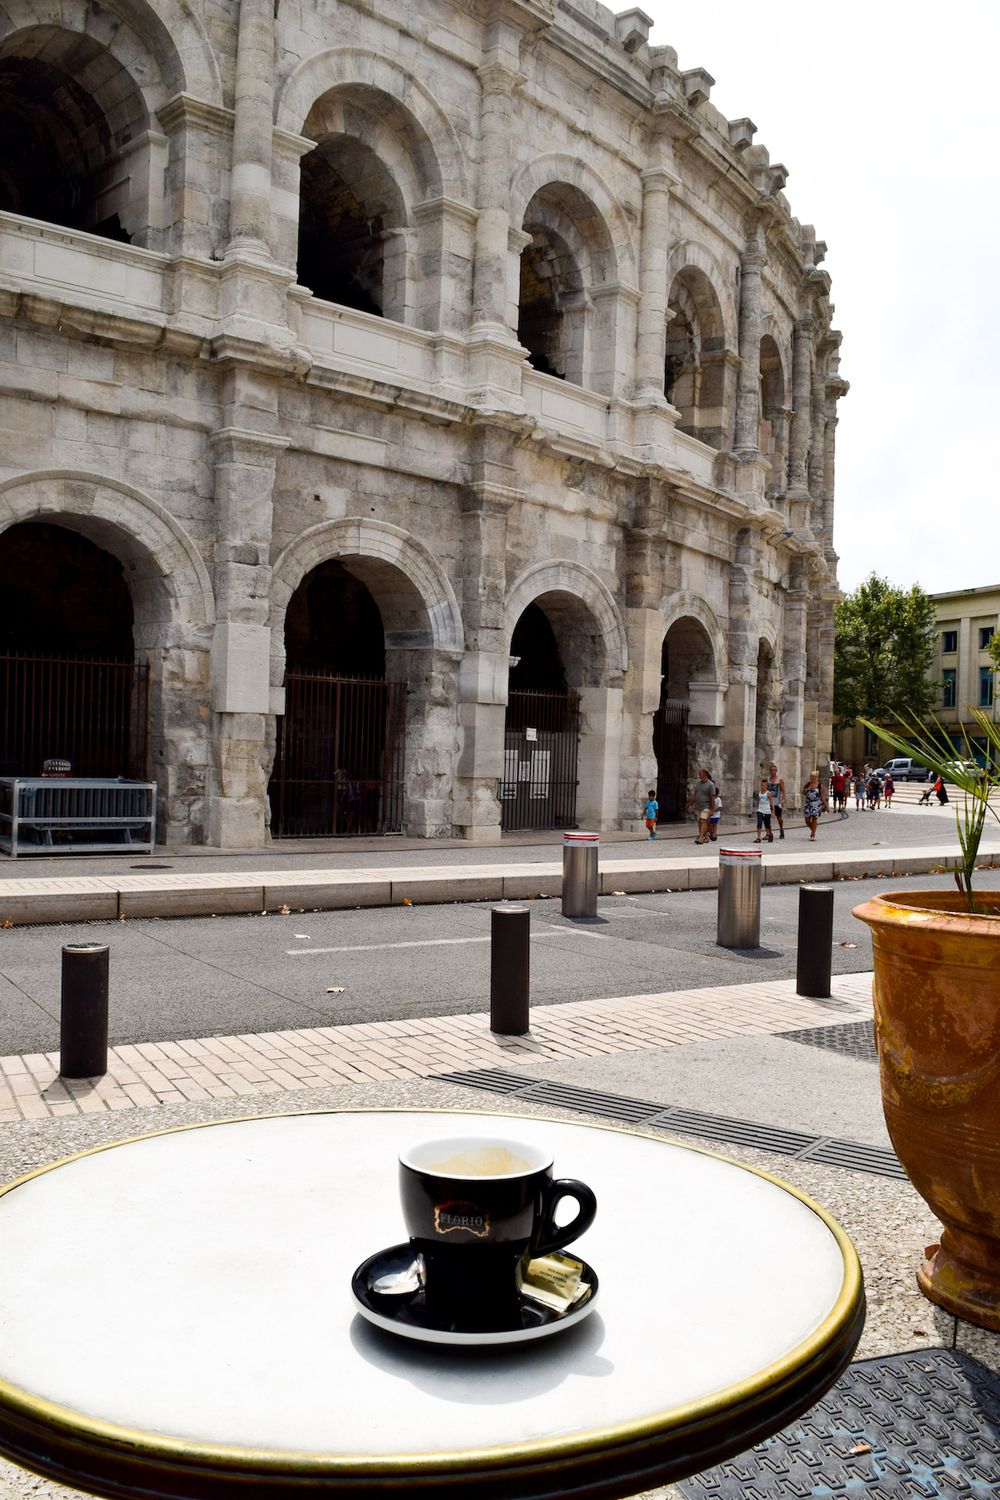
(413, 418)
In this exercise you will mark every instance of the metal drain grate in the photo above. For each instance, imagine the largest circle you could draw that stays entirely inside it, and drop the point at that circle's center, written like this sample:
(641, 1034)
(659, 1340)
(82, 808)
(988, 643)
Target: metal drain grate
(853, 1155)
(917, 1424)
(853, 1039)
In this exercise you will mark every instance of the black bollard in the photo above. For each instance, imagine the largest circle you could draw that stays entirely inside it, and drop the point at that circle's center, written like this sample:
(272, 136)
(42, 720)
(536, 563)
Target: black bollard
(83, 1024)
(814, 960)
(510, 928)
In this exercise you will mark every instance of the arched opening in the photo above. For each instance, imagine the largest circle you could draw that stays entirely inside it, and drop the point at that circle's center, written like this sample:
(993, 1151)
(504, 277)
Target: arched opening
(70, 689)
(557, 656)
(767, 716)
(568, 256)
(687, 661)
(338, 768)
(694, 369)
(774, 417)
(373, 163)
(350, 206)
(71, 117)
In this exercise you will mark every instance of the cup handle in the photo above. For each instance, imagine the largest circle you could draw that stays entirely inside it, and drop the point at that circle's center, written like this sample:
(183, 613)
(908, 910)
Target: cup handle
(552, 1236)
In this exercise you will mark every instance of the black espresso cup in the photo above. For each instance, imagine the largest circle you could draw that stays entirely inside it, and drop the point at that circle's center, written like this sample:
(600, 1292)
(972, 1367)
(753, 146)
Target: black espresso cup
(475, 1207)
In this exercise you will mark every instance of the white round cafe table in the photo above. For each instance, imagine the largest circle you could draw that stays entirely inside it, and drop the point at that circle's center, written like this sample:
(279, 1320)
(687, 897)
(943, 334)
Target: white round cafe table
(176, 1319)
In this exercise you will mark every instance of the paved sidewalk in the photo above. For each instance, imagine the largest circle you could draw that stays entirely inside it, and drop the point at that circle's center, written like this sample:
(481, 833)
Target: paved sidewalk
(113, 894)
(277, 1062)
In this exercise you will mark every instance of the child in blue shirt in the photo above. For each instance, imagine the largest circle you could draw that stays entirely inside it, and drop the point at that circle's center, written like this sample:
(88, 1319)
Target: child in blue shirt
(649, 813)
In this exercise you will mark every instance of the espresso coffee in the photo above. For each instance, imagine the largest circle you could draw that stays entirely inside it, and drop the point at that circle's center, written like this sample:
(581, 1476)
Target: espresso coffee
(475, 1209)
(488, 1161)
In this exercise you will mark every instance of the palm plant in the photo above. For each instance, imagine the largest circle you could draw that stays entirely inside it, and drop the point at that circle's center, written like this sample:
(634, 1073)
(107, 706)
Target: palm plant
(934, 748)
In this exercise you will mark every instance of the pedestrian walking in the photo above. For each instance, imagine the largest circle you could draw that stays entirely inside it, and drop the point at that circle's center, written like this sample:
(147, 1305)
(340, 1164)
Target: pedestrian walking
(702, 804)
(651, 812)
(713, 822)
(874, 792)
(888, 792)
(940, 790)
(765, 807)
(814, 803)
(776, 787)
(859, 792)
(838, 786)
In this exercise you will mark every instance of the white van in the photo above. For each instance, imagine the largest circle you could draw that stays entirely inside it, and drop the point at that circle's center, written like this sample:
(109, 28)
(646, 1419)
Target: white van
(904, 769)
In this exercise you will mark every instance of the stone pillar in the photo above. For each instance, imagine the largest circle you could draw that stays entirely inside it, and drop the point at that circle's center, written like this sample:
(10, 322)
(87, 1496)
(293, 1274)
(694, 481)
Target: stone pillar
(485, 668)
(798, 448)
(250, 187)
(658, 180)
(245, 462)
(644, 591)
(794, 625)
(499, 75)
(817, 448)
(741, 695)
(752, 261)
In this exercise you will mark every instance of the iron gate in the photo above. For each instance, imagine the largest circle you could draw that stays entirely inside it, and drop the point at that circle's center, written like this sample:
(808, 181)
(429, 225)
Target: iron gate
(541, 743)
(338, 770)
(95, 714)
(670, 746)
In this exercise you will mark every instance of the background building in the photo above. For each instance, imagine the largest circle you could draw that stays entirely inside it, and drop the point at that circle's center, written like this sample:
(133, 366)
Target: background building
(409, 418)
(963, 671)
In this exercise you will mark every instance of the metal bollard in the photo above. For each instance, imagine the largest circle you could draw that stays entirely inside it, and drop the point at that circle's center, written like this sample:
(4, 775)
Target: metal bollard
(579, 878)
(739, 899)
(83, 1022)
(814, 960)
(510, 937)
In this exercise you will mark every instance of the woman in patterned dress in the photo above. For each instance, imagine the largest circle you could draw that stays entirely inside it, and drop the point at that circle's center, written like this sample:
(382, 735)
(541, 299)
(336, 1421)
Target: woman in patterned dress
(814, 803)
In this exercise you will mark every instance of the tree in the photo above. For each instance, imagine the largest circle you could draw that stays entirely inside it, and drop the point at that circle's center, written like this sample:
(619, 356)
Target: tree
(883, 654)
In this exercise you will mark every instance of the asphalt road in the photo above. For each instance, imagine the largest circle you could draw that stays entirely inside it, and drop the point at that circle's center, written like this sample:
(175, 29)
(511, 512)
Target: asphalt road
(217, 976)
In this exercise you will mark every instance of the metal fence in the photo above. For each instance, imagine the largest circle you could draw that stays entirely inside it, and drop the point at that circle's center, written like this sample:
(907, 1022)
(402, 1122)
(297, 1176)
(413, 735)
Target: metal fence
(339, 767)
(95, 714)
(541, 746)
(670, 746)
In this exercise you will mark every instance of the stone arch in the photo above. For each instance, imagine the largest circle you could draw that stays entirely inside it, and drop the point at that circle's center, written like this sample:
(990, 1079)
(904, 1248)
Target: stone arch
(586, 589)
(610, 220)
(174, 612)
(587, 625)
(423, 645)
(698, 373)
(768, 698)
(426, 614)
(341, 67)
(690, 254)
(692, 606)
(162, 43)
(171, 589)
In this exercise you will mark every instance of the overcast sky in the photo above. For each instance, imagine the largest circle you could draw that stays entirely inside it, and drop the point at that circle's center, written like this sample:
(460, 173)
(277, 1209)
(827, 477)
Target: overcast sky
(886, 115)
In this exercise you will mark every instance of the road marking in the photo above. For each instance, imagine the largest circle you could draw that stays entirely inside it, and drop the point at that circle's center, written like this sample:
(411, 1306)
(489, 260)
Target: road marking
(429, 943)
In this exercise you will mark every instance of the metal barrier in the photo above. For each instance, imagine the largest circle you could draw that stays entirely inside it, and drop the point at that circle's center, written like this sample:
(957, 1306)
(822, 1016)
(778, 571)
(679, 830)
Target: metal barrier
(814, 960)
(510, 938)
(739, 899)
(83, 1015)
(76, 815)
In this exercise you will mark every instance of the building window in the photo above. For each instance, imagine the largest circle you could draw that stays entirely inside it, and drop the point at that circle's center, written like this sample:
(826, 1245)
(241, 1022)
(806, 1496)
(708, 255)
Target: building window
(985, 687)
(949, 688)
(949, 641)
(986, 634)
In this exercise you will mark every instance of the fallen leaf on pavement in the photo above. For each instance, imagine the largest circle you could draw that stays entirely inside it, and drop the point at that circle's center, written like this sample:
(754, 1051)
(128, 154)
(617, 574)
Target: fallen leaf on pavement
(848, 945)
(407, 901)
(284, 911)
(617, 893)
(862, 1448)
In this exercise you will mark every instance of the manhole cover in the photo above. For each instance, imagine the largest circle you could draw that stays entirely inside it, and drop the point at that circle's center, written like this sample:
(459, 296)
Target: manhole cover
(918, 1424)
(855, 1039)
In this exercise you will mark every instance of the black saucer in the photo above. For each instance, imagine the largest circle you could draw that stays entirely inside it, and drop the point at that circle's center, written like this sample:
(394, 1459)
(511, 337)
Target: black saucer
(405, 1313)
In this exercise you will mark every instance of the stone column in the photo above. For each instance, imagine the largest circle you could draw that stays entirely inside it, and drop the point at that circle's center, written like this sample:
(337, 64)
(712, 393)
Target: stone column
(741, 695)
(752, 261)
(499, 75)
(793, 651)
(484, 670)
(817, 448)
(245, 462)
(798, 448)
(250, 188)
(658, 180)
(645, 549)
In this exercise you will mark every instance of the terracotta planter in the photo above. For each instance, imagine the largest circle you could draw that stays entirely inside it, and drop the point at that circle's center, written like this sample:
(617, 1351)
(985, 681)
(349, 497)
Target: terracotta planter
(937, 1023)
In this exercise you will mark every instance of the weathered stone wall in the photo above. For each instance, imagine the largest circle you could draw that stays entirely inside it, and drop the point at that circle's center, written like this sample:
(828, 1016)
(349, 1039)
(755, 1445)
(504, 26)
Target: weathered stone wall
(188, 404)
